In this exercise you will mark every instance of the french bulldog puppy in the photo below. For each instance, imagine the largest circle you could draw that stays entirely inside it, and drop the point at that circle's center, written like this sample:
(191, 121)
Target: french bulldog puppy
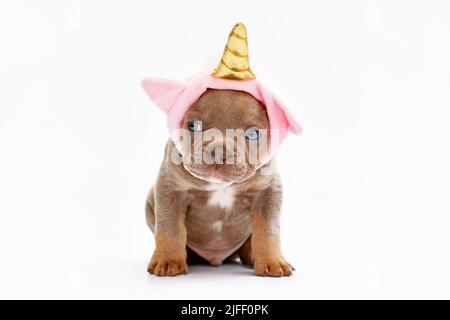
(217, 208)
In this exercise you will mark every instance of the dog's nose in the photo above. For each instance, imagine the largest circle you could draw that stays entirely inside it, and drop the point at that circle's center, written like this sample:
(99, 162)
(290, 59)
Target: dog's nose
(220, 156)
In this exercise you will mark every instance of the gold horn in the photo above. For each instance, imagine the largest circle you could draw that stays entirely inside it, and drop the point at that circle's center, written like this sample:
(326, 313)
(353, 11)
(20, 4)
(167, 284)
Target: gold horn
(234, 63)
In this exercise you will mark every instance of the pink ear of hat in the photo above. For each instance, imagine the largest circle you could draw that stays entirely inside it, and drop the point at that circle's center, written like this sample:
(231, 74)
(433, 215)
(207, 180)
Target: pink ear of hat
(279, 115)
(175, 98)
(294, 126)
(163, 92)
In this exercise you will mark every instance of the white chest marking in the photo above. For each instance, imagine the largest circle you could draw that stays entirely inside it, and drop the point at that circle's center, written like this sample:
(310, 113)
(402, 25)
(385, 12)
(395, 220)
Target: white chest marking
(217, 226)
(222, 196)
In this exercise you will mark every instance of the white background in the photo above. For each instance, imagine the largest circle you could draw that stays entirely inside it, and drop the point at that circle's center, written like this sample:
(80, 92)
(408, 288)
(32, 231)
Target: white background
(366, 209)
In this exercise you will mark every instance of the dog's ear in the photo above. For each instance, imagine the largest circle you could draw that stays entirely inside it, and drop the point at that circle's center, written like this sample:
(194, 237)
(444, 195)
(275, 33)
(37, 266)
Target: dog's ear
(163, 92)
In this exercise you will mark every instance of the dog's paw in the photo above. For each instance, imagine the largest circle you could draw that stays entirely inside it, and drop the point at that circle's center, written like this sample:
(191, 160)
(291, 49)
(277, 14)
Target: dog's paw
(276, 267)
(167, 267)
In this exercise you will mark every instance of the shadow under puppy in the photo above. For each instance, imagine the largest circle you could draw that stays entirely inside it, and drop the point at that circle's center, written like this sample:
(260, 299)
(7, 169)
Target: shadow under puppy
(226, 201)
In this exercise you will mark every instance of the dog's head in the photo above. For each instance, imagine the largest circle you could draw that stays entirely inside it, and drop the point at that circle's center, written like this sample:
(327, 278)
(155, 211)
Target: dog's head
(225, 136)
(225, 117)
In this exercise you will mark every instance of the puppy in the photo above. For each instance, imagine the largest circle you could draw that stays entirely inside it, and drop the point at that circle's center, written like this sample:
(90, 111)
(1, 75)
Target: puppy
(218, 207)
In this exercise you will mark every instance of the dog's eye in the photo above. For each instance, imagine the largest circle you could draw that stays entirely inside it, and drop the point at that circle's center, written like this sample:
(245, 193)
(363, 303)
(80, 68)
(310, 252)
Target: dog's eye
(195, 125)
(252, 134)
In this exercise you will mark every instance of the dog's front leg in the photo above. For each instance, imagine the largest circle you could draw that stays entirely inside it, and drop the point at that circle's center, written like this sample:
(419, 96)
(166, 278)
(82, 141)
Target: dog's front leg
(169, 257)
(266, 251)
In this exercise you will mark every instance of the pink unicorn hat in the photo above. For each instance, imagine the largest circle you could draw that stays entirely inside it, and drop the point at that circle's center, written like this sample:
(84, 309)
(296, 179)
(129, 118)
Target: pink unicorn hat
(233, 73)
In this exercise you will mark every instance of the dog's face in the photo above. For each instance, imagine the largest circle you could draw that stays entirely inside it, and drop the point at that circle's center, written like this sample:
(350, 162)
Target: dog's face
(227, 135)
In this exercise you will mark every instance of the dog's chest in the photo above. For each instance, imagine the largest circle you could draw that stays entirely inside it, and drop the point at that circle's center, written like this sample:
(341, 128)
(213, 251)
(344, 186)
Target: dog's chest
(224, 199)
(218, 221)
(218, 211)
(222, 196)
